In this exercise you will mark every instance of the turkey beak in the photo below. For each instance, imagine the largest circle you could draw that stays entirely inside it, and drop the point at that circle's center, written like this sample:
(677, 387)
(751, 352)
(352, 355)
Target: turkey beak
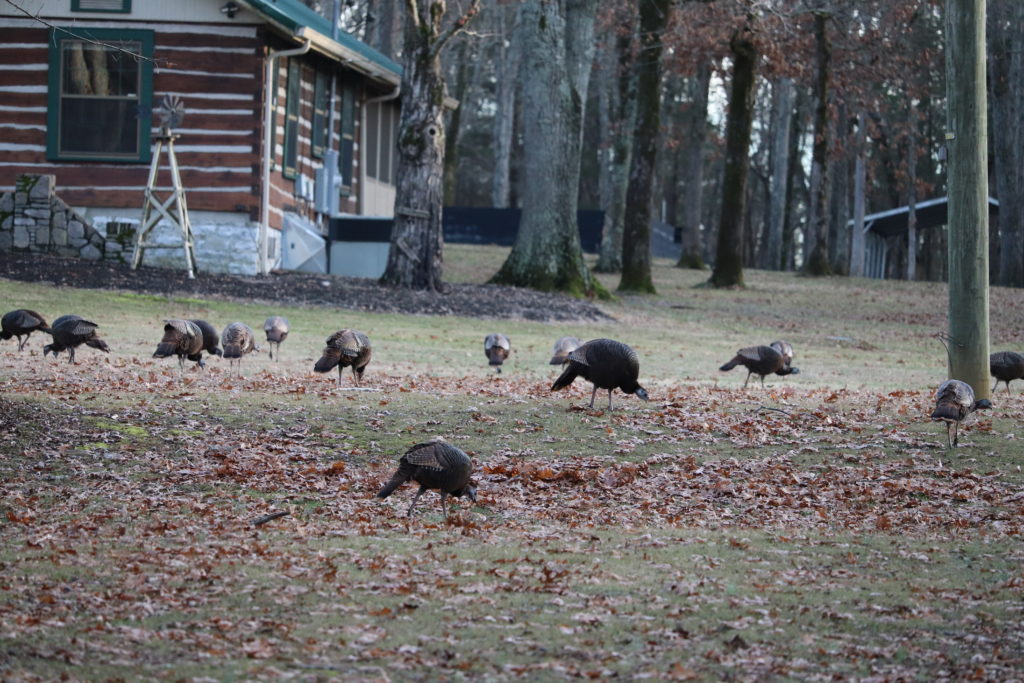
(471, 492)
(642, 393)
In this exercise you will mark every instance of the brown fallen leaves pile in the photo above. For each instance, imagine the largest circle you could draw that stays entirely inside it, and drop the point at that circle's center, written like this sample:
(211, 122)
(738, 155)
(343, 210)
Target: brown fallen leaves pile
(129, 496)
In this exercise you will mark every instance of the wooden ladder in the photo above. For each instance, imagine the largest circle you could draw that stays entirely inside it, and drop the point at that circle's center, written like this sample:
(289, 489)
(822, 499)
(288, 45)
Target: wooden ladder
(155, 209)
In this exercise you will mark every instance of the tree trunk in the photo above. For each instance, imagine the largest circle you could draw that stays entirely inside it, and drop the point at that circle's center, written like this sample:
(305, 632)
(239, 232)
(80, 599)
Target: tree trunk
(547, 254)
(912, 201)
(504, 118)
(618, 122)
(781, 120)
(636, 239)
(415, 258)
(728, 271)
(859, 182)
(1006, 76)
(839, 215)
(451, 146)
(817, 222)
(696, 122)
(968, 190)
(796, 182)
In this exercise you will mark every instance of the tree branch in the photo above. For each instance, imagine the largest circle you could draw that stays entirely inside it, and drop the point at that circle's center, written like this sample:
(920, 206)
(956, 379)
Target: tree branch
(44, 22)
(413, 9)
(459, 26)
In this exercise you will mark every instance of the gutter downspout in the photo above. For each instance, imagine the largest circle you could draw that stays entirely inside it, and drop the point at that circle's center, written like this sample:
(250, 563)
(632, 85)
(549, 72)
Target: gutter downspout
(362, 139)
(268, 151)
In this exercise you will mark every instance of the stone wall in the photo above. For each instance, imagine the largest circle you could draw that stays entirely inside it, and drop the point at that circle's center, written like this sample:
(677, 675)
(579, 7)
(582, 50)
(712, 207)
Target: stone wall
(33, 219)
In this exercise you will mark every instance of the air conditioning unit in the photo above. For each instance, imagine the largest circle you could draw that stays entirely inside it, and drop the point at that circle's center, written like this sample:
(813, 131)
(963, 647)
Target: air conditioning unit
(328, 185)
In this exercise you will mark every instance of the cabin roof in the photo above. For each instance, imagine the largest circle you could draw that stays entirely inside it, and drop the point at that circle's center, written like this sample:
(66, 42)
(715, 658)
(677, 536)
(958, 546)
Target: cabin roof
(930, 213)
(301, 23)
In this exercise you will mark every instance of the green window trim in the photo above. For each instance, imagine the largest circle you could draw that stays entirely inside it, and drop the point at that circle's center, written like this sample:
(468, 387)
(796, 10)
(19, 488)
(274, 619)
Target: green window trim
(291, 120)
(320, 136)
(92, 6)
(274, 84)
(144, 100)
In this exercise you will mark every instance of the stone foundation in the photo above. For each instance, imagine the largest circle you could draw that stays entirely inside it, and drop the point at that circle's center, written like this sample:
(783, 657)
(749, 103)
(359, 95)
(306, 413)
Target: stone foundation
(33, 218)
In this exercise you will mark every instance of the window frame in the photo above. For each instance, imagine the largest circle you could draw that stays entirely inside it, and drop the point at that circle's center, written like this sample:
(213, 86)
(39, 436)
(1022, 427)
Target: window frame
(346, 145)
(126, 8)
(292, 112)
(54, 94)
(320, 138)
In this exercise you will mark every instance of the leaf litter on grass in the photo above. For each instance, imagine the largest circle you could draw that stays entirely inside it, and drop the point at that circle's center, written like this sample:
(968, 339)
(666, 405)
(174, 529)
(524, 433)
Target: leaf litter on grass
(787, 532)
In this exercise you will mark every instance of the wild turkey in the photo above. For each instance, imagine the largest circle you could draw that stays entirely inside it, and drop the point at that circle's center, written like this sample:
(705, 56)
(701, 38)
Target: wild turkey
(954, 401)
(761, 360)
(181, 338)
(346, 348)
(210, 340)
(71, 331)
(609, 364)
(22, 323)
(563, 347)
(1006, 366)
(276, 328)
(496, 348)
(237, 339)
(786, 349)
(433, 465)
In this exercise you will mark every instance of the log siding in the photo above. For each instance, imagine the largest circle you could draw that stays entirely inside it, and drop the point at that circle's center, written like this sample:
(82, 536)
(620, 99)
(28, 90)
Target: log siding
(217, 70)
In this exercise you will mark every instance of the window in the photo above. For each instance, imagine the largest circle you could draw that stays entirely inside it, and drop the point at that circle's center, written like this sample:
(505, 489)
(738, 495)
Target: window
(346, 155)
(99, 93)
(291, 120)
(321, 103)
(381, 147)
(119, 6)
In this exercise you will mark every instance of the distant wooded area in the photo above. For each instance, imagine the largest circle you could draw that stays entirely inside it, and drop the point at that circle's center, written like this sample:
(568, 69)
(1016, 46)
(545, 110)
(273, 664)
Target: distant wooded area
(844, 115)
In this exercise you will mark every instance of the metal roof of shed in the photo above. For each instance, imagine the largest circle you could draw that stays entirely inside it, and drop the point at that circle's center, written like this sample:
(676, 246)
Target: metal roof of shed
(930, 213)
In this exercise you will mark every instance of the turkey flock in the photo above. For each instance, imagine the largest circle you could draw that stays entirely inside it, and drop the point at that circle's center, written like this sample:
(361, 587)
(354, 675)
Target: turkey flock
(606, 363)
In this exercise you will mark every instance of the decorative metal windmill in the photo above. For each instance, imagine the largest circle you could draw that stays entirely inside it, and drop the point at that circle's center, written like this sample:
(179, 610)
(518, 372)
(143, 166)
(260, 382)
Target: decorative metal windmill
(154, 209)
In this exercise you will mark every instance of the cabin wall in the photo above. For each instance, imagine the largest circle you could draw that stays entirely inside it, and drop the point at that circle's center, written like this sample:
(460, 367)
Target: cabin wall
(216, 67)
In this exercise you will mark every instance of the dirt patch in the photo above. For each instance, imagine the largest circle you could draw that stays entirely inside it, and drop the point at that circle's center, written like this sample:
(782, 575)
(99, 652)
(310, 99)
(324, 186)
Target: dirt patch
(289, 287)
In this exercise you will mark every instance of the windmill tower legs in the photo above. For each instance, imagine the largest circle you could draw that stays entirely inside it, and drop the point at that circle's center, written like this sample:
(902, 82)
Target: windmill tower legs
(154, 209)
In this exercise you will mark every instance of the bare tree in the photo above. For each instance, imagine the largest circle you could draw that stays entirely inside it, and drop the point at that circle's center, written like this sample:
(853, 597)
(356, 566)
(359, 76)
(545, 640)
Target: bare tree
(617, 111)
(781, 117)
(1006, 78)
(507, 76)
(817, 222)
(728, 271)
(415, 259)
(696, 137)
(636, 239)
(557, 43)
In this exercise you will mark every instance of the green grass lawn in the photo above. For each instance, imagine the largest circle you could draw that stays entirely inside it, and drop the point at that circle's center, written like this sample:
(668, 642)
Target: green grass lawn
(815, 529)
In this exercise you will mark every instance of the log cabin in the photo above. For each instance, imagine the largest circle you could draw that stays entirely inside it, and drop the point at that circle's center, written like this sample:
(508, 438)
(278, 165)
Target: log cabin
(288, 121)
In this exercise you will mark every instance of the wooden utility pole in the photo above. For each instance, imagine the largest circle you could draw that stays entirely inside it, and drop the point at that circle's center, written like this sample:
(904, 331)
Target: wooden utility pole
(967, 148)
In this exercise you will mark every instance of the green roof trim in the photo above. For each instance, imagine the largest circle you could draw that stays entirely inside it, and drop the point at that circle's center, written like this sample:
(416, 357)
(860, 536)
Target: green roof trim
(293, 15)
